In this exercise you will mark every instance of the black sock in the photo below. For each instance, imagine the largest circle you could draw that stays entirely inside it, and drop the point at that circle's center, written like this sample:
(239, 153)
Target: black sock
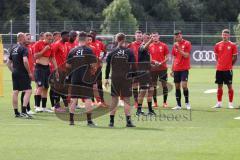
(135, 94)
(22, 99)
(44, 102)
(111, 118)
(186, 95)
(71, 117)
(16, 112)
(165, 94)
(128, 119)
(139, 107)
(52, 98)
(155, 95)
(150, 107)
(89, 117)
(37, 100)
(178, 97)
(28, 107)
(24, 109)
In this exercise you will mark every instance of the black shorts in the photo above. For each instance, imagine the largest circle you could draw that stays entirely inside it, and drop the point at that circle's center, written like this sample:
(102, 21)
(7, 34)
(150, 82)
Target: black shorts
(145, 81)
(162, 76)
(224, 77)
(81, 90)
(41, 75)
(121, 87)
(21, 81)
(180, 76)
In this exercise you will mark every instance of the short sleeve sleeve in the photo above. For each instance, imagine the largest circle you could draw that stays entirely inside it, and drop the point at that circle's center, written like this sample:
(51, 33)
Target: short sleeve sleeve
(24, 52)
(166, 50)
(235, 49)
(216, 49)
(188, 47)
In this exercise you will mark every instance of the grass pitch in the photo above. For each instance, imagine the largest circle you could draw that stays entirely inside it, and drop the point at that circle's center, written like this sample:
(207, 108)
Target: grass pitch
(205, 133)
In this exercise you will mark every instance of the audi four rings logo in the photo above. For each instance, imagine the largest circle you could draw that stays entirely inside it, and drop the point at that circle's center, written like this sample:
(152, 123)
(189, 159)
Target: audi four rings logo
(204, 55)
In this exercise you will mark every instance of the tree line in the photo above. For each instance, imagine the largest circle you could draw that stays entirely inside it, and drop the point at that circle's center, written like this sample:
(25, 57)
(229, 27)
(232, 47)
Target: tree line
(150, 10)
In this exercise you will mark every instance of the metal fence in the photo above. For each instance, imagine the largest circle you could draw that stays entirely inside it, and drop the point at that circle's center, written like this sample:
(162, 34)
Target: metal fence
(199, 33)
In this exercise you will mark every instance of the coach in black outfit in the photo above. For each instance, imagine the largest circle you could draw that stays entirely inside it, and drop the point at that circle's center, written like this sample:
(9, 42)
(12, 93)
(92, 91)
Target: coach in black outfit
(122, 62)
(21, 75)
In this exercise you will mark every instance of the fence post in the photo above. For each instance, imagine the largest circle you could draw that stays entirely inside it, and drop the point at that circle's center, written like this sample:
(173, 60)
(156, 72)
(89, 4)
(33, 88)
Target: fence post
(202, 35)
(119, 26)
(229, 27)
(91, 25)
(64, 25)
(146, 27)
(38, 28)
(201, 40)
(11, 30)
(174, 28)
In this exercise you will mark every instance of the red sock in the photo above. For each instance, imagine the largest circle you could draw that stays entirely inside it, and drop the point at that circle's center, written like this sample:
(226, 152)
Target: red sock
(83, 100)
(98, 99)
(219, 94)
(230, 95)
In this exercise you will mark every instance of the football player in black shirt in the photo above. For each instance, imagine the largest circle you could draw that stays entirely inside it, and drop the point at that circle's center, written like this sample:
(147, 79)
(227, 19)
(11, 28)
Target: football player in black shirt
(21, 75)
(82, 64)
(144, 76)
(122, 62)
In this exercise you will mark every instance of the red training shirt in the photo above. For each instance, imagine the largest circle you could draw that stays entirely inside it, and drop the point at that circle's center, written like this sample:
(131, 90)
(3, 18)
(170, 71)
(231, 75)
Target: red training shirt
(100, 47)
(158, 52)
(225, 51)
(134, 46)
(181, 63)
(40, 45)
(60, 51)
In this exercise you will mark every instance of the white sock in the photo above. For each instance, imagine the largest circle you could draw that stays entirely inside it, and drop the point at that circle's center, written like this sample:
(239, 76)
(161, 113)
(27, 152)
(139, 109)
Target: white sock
(219, 103)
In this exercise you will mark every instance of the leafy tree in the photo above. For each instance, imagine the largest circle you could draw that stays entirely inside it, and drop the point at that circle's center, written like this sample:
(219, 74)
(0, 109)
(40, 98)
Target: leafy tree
(119, 13)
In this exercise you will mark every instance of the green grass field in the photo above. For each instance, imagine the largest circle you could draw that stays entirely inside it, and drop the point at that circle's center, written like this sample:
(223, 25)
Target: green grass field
(209, 134)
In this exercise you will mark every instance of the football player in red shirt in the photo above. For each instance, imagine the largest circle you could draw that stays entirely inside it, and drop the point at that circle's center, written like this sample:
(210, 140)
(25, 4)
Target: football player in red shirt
(56, 36)
(43, 54)
(180, 68)
(159, 53)
(95, 87)
(60, 51)
(72, 43)
(41, 36)
(100, 48)
(134, 46)
(31, 67)
(226, 56)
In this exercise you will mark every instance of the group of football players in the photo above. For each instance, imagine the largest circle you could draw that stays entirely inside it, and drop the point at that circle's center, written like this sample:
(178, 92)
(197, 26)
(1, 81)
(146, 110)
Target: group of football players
(76, 58)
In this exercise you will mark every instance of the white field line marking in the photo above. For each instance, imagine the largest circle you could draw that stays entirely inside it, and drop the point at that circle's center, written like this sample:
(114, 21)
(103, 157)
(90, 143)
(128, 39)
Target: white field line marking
(210, 91)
